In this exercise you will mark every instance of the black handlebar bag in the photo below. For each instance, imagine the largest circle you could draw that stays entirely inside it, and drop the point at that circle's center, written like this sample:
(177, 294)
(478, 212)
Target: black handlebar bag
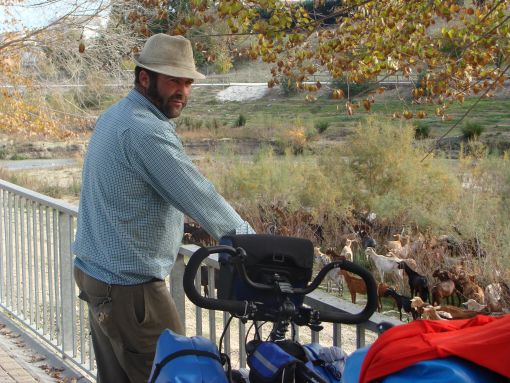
(290, 258)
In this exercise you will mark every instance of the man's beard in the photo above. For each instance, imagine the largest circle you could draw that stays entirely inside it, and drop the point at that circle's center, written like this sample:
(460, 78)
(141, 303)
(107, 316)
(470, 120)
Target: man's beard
(163, 103)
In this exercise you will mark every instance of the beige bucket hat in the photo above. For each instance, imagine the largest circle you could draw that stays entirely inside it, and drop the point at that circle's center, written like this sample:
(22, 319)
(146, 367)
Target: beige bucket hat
(169, 55)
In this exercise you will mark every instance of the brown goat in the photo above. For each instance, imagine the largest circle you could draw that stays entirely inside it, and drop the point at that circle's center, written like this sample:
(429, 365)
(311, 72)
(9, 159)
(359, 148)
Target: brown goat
(443, 289)
(356, 285)
(442, 275)
(470, 289)
(458, 313)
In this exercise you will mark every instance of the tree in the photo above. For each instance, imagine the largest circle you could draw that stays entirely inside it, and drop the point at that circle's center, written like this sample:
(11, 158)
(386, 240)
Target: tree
(30, 57)
(449, 50)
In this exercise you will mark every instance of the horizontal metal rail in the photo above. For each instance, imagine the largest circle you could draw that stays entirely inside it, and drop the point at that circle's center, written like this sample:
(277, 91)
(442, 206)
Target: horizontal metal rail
(37, 286)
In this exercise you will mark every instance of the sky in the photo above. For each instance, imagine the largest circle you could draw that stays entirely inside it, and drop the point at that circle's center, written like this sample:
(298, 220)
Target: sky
(29, 17)
(34, 14)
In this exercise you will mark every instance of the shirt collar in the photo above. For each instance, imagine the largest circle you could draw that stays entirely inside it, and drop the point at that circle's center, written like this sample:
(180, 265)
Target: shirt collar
(137, 97)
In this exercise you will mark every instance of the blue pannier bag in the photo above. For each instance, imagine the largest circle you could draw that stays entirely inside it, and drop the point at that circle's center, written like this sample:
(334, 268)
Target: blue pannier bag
(284, 362)
(444, 370)
(329, 362)
(181, 359)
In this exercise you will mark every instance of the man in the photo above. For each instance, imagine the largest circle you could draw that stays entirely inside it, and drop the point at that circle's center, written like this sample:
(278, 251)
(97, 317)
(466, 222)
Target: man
(137, 183)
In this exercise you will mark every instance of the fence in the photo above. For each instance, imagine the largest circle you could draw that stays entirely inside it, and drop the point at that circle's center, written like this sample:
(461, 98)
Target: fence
(38, 290)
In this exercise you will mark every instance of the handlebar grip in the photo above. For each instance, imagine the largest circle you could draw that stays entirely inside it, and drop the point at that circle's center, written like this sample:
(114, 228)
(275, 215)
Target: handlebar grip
(190, 271)
(371, 305)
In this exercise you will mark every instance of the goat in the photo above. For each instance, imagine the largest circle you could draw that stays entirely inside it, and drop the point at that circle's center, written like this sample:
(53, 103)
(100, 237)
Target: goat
(443, 289)
(417, 304)
(431, 313)
(333, 276)
(418, 284)
(195, 234)
(442, 275)
(347, 251)
(367, 240)
(497, 295)
(457, 313)
(469, 288)
(411, 263)
(381, 289)
(394, 245)
(402, 252)
(402, 302)
(446, 276)
(473, 305)
(356, 285)
(383, 264)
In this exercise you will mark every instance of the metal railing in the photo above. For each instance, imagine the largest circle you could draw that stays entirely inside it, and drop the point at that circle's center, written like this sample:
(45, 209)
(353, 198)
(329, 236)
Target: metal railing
(37, 287)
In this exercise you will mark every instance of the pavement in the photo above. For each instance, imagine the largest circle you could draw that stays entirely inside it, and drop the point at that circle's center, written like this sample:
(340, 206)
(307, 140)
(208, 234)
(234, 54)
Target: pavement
(11, 371)
(24, 360)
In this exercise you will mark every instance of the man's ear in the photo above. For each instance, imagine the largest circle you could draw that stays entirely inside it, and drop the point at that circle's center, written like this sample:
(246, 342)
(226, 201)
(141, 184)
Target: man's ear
(144, 79)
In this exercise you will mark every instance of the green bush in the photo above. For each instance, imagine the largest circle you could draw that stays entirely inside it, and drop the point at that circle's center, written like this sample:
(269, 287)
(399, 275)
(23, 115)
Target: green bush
(421, 131)
(240, 121)
(288, 86)
(472, 130)
(390, 178)
(321, 126)
(350, 89)
(18, 157)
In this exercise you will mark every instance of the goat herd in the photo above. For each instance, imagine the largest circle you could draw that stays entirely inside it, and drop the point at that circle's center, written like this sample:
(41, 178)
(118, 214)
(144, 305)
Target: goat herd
(451, 293)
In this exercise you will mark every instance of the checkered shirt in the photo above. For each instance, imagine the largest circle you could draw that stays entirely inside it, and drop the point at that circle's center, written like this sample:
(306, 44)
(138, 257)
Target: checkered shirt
(137, 182)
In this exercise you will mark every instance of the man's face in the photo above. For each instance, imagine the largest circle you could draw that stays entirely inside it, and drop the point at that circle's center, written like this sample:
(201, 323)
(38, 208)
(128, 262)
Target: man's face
(169, 94)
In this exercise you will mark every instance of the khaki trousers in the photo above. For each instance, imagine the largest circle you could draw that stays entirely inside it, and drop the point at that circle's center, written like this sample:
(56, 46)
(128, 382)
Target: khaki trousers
(125, 323)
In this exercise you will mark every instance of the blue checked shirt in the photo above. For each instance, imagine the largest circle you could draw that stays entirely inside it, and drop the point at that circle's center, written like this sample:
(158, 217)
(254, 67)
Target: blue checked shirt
(137, 183)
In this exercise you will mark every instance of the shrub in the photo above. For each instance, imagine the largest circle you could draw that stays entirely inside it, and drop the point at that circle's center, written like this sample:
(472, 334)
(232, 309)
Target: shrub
(240, 121)
(288, 86)
(223, 63)
(321, 126)
(350, 89)
(390, 177)
(472, 130)
(421, 131)
(18, 157)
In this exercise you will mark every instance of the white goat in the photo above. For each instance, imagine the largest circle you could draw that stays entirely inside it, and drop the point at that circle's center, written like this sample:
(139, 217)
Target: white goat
(334, 275)
(384, 264)
(347, 251)
(495, 296)
(473, 305)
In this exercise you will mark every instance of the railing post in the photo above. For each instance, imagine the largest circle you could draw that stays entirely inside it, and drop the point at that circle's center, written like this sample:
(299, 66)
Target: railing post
(360, 335)
(177, 289)
(66, 281)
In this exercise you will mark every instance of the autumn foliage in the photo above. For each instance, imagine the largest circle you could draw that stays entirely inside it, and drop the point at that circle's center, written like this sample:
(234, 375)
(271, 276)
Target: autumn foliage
(449, 49)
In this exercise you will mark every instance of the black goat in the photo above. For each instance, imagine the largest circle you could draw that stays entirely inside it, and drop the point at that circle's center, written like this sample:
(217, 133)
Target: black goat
(417, 283)
(367, 240)
(402, 302)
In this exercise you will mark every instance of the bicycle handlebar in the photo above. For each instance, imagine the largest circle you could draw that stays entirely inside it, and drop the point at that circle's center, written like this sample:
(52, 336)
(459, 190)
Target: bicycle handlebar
(244, 308)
